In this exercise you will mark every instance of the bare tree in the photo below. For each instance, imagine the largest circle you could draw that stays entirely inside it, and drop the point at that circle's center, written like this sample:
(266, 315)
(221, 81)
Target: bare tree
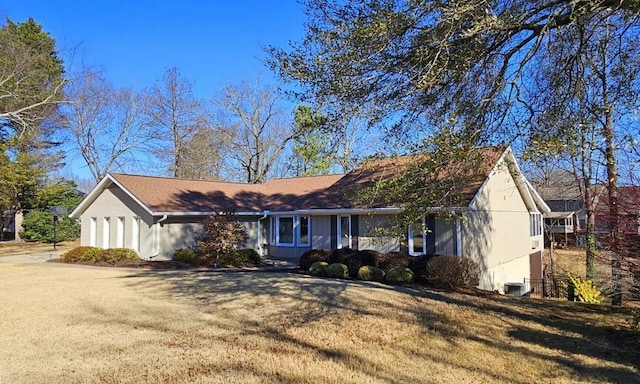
(258, 128)
(176, 115)
(203, 154)
(107, 125)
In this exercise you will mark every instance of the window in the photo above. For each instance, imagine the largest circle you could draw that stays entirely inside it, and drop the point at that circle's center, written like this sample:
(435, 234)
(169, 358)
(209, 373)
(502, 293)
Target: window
(120, 233)
(135, 234)
(93, 232)
(535, 224)
(284, 234)
(106, 232)
(417, 237)
(304, 231)
(344, 232)
(293, 230)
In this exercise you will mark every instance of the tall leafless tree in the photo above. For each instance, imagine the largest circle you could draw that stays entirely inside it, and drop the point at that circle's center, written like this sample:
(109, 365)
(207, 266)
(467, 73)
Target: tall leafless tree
(176, 115)
(107, 125)
(258, 128)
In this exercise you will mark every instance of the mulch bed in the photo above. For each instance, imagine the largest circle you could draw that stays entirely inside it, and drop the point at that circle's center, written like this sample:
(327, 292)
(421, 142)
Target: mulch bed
(142, 264)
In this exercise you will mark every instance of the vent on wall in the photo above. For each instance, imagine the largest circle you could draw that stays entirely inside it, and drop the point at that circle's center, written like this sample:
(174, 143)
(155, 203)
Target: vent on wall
(535, 244)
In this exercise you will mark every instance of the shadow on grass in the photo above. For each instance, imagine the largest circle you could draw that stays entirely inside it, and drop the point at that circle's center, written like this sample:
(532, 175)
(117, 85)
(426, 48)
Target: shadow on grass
(294, 300)
(576, 331)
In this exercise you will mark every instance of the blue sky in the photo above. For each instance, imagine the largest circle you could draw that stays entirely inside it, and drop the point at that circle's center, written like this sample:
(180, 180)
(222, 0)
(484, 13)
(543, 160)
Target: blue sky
(213, 43)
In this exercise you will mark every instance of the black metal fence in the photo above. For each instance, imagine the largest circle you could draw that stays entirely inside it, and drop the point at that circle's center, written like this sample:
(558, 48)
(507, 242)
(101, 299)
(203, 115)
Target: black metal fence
(546, 288)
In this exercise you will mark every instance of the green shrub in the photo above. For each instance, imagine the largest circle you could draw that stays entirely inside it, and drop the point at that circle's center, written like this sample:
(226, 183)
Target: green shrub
(186, 256)
(393, 259)
(248, 256)
(337, 270)
(584, 290)
(78, 254)
(339, 255)
(98, 255)
(311, 256)
(117, 255)
(238, 258)
(399, 275)
(452, 272)
(370, 273)
(319, 268)
(418, 264)
(92, 254)
(359, 259)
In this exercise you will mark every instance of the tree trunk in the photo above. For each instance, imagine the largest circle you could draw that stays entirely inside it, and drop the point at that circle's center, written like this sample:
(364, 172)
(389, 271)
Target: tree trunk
(613, 219)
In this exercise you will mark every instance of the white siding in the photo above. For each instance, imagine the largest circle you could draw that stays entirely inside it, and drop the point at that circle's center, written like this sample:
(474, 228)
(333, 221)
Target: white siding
(496, 232)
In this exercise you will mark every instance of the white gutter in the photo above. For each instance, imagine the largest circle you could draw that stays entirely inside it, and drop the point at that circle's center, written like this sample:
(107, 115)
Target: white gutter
(203, 213)
(337, 211)
(157, 251)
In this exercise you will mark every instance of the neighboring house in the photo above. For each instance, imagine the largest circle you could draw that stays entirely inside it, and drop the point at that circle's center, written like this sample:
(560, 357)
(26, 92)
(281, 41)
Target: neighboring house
(628, 211)
(11, 225)
(500, 225)
(567, 221)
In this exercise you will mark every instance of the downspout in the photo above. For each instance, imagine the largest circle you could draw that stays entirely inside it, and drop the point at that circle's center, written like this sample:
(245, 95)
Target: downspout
(264, 216)
(157, 251)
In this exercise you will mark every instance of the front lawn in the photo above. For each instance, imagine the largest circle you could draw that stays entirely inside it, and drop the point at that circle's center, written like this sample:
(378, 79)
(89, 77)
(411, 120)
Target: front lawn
(67, 323)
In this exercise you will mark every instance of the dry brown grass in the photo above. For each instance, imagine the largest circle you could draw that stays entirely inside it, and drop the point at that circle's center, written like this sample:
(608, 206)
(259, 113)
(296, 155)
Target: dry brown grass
(11, 248)
(65, 323)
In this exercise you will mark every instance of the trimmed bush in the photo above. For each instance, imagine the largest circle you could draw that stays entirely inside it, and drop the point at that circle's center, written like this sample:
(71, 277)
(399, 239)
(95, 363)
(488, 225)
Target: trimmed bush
(339, 255)
(92, 255)
(370, 273)
(98, 255)
(399, 275)
(117, 255)
(249, 256)
(337, 270)
(393, 259)
(186, 256)
(359, 259)
(452, 272)
(239, 258)
(418, 264)
(78, 254)
(311, 257)
(319, 268)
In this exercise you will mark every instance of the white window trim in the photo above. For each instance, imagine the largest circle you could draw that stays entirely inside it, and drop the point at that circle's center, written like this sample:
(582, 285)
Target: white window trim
(106, 232)
(120, 234)
(93, 231)
(535, 224)
(424, 240)
(296, 235)
(135, 234)
(298, 232)
(339, 230)
(293, 229)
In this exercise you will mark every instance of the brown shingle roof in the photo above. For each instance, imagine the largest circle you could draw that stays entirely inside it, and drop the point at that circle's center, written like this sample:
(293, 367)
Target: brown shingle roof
(179, 195)
(168, 195)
